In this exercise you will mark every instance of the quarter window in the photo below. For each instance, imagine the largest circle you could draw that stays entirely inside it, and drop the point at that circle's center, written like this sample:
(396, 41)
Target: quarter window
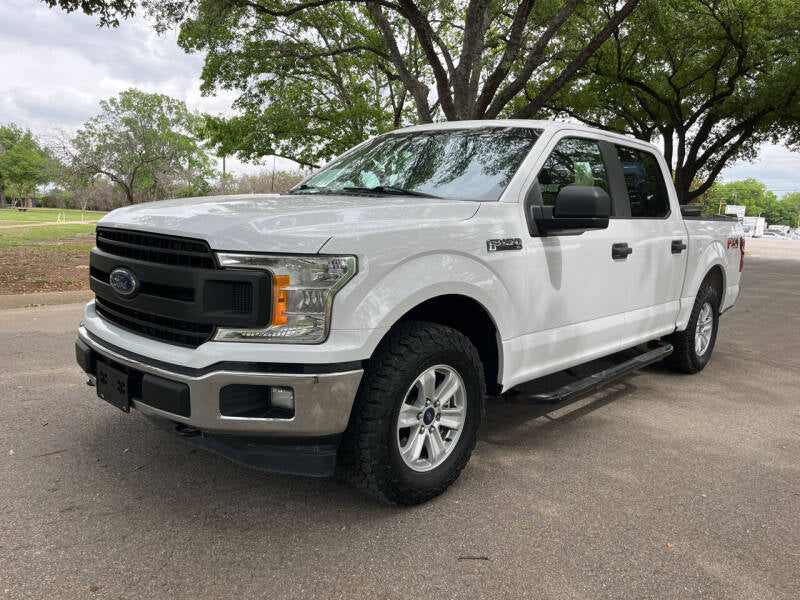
(647, 191)
(574, 161)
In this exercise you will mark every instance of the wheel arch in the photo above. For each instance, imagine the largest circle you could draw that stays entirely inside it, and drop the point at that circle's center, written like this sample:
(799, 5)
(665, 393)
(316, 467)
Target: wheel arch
(468, 316)
(715, 277)
(714, 274)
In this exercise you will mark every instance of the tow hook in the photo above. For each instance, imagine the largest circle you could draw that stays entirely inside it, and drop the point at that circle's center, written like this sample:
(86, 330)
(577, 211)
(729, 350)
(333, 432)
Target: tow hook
(186, 430)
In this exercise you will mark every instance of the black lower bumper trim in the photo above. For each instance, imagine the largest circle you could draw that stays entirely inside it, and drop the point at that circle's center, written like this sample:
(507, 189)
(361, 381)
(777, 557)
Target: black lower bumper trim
(157, 392)
(301, 456)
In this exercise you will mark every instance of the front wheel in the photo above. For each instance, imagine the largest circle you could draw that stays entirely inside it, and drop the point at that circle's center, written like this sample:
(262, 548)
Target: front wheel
(416, 415)
(694, 345)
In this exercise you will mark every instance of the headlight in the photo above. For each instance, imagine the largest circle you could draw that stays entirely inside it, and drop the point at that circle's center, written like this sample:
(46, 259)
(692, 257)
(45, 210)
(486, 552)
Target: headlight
(303, 288)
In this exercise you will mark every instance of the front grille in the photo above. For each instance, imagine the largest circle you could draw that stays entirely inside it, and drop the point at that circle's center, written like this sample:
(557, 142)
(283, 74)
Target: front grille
(161, 249)
(182, 295)
(173, 331)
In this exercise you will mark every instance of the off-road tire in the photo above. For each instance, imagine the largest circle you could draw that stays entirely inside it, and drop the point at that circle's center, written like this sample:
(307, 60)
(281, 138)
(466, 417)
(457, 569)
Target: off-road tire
(685, 359)
(368, 456)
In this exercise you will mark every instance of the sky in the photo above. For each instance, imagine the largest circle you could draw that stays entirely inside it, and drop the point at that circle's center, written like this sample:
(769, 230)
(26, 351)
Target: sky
(56, 67)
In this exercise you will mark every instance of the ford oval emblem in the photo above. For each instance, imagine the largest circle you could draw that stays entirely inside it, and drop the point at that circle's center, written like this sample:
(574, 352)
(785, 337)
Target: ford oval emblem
(124, 282)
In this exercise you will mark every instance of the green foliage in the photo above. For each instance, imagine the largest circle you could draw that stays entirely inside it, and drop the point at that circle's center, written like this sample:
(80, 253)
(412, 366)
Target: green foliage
(109, 11)
(317, 77)
(757, 199)
(24, 163)
(147, 144)
(712, 78)
(792, 198)
(301, 98)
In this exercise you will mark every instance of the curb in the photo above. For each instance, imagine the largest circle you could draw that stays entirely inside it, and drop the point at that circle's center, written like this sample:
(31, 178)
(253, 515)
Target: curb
(40, 298)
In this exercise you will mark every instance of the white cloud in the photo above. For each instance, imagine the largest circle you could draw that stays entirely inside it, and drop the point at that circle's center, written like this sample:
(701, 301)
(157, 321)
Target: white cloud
(56, 67)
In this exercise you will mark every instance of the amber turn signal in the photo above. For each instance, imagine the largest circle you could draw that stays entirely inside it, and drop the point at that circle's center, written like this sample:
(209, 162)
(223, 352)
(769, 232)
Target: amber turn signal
(279, 298)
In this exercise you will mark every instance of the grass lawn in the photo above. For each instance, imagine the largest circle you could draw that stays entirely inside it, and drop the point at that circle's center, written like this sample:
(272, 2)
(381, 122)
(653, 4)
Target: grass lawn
(12, 216)
(71, 235)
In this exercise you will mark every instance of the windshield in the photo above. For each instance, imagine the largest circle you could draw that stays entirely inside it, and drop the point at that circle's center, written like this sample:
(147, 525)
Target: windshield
(462, 164)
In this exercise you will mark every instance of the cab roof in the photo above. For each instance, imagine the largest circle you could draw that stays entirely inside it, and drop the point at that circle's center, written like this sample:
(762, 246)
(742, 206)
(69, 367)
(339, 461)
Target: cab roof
(544, 125)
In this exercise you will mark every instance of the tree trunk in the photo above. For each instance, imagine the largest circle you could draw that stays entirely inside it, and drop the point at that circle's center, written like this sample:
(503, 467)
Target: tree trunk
(2, 196)
(683, 181)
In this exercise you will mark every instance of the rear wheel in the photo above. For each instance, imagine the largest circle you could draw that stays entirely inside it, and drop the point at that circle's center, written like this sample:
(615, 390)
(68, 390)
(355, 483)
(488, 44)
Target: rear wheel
(416, 415)
(694, 345)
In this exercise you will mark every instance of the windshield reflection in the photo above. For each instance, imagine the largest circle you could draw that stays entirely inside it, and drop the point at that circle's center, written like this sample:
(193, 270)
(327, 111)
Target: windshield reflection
(462, 164)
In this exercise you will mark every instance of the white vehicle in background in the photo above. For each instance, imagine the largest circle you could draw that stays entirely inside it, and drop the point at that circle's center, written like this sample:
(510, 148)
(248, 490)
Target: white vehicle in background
(774, 234)
(783, 230)
(754, 226)
(356, 323)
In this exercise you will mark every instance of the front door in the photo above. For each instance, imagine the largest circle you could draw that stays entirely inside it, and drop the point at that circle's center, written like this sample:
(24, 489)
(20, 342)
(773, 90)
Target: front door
(578, 290)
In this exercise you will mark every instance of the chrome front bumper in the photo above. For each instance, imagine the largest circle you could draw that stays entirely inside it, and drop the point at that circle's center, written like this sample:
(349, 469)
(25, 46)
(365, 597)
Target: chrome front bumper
(322, 401)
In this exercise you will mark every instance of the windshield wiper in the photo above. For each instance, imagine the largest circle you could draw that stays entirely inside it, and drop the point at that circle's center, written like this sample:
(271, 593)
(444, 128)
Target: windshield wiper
(389, 189)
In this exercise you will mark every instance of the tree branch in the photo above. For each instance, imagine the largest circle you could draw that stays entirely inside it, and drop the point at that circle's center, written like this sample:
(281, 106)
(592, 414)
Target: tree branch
(566, 74)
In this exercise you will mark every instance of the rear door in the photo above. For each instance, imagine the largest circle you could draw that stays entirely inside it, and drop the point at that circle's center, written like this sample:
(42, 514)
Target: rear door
(655, 231)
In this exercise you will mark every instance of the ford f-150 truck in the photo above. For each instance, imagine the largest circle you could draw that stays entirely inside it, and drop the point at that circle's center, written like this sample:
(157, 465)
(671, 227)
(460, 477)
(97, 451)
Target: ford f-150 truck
(355, 324)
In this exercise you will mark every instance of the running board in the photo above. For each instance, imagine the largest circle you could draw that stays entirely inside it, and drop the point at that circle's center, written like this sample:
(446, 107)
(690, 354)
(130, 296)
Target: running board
(584, 386)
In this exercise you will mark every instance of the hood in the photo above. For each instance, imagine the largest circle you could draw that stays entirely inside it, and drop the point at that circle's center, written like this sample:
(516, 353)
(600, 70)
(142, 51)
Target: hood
(282, 223)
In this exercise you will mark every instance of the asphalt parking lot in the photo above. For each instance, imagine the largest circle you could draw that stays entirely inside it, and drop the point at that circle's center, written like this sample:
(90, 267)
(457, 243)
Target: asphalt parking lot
(662, 486)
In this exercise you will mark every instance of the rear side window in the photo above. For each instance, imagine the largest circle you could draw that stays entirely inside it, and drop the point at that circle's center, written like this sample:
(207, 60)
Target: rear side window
(574, 161)
(647, 191)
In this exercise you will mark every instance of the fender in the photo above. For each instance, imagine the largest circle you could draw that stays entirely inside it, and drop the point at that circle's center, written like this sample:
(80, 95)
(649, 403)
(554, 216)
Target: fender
(382, 302)
(713, 255)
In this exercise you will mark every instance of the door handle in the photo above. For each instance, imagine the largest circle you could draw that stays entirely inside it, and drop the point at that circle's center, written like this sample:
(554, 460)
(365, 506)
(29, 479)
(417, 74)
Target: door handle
(678, 246)
(620, 251)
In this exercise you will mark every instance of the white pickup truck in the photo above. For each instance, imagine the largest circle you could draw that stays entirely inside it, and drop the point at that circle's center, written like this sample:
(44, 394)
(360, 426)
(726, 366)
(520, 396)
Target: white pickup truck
(355, 324)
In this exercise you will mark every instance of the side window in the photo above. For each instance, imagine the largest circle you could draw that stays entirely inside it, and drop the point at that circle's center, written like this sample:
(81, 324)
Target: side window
(574, 161)
(647, 191)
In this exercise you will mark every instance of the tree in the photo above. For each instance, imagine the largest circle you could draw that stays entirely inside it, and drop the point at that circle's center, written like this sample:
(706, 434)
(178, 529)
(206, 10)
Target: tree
(264, 182)
(757, 199)
(712, 78)
(792, 198)
(146, 144)
(109, 11)
(77, 185)
(317, 76)
(24, 163)
(9, 136)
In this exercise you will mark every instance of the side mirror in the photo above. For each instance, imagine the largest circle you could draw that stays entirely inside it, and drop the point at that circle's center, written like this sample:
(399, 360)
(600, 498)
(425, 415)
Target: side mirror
(577, 208)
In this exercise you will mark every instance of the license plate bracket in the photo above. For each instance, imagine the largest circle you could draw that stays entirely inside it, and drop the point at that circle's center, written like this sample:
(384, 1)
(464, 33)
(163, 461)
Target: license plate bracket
(113, 386)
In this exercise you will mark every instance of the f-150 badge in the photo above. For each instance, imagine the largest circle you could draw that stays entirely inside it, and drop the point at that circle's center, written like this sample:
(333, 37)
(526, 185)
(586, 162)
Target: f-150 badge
(504, 244)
